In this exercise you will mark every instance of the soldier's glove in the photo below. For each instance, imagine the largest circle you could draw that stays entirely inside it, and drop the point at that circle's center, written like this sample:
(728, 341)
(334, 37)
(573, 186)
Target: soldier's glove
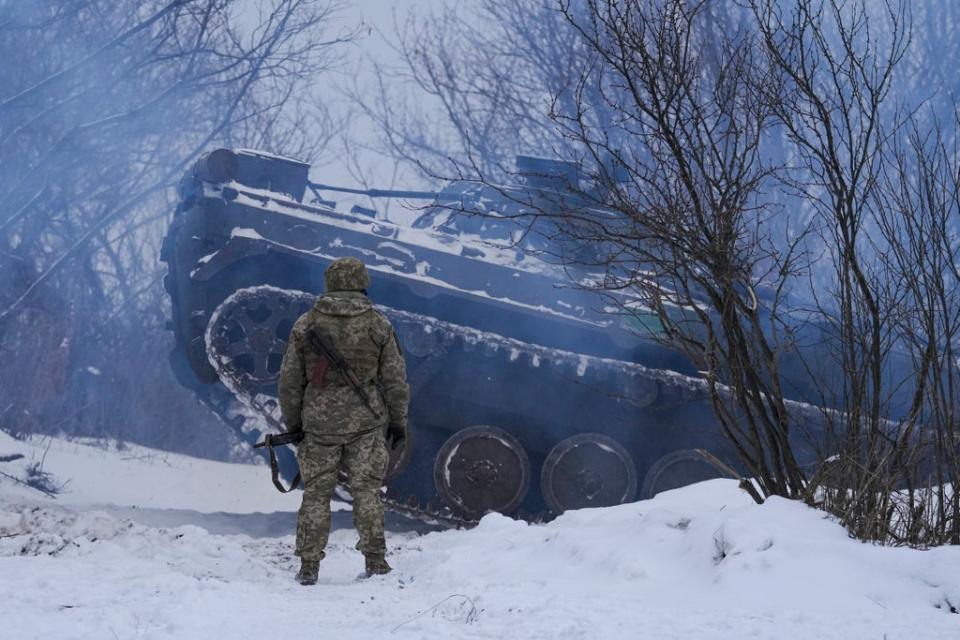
(396, 436)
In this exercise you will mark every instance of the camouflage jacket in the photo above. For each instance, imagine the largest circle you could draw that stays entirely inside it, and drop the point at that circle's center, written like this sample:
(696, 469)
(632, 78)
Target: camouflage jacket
(366, 341)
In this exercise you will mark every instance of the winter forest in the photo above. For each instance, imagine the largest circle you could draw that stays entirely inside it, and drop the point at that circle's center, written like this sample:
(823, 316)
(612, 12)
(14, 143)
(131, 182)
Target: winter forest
(676, 284)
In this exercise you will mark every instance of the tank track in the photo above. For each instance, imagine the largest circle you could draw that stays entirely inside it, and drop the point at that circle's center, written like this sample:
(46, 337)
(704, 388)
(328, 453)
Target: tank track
(426, 336)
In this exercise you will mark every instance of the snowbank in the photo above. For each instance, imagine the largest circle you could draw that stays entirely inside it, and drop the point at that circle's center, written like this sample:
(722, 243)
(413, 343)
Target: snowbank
(700, 562)
(99, 474)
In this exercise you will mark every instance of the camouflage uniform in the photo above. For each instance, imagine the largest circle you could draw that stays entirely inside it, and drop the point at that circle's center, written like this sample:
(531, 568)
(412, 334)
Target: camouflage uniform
(340, 432)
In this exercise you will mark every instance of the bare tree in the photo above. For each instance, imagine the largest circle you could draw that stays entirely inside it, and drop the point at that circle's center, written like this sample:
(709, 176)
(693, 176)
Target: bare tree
(918, 216)
(739, 153)
(102, 107)
(682, 220)
(471, 89)
(831, 93)
(883, 190)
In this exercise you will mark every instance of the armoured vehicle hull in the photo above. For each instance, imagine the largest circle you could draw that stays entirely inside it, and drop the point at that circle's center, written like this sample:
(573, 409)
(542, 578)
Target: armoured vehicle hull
(528, 396)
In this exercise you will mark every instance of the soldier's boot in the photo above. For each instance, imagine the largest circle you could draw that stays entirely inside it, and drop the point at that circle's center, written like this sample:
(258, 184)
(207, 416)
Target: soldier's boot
(377, 566)
(309, 571)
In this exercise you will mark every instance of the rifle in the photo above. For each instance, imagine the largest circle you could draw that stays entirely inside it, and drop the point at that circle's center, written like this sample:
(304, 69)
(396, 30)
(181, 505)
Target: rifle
(326, 351)
(272, 440)
(331, 356)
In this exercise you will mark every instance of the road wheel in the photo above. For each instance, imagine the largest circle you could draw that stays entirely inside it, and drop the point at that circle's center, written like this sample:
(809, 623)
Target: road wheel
(684, 467)
(587, 470)
(482, 469)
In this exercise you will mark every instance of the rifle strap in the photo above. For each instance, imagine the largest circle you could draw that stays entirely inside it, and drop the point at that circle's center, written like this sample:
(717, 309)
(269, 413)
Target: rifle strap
(342, 367)
(275, 471)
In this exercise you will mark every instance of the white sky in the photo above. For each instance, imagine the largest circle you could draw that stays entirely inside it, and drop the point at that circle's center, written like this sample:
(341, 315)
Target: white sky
(375, 21)
(378, 19)
(379, 15)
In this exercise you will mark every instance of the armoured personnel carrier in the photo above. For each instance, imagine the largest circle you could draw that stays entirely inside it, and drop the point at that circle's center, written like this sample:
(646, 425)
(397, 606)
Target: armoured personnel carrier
(529, 395)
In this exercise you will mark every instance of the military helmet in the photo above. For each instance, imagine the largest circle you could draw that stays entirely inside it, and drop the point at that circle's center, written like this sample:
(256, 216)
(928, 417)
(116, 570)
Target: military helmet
(347, 274)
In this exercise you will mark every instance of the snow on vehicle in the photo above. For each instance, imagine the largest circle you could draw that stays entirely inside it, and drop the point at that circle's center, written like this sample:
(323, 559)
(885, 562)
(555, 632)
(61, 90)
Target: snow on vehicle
(529, 397)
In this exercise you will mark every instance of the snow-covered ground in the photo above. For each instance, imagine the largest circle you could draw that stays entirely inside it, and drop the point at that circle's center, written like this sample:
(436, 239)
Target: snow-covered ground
(205, 553)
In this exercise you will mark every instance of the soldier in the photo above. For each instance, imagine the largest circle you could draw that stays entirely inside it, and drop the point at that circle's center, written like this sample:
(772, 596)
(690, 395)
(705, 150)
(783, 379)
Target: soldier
(341, 430)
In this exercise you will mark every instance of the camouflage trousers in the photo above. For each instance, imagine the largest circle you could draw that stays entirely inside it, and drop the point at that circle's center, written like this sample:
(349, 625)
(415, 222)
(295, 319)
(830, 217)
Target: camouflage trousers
(364, 459)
